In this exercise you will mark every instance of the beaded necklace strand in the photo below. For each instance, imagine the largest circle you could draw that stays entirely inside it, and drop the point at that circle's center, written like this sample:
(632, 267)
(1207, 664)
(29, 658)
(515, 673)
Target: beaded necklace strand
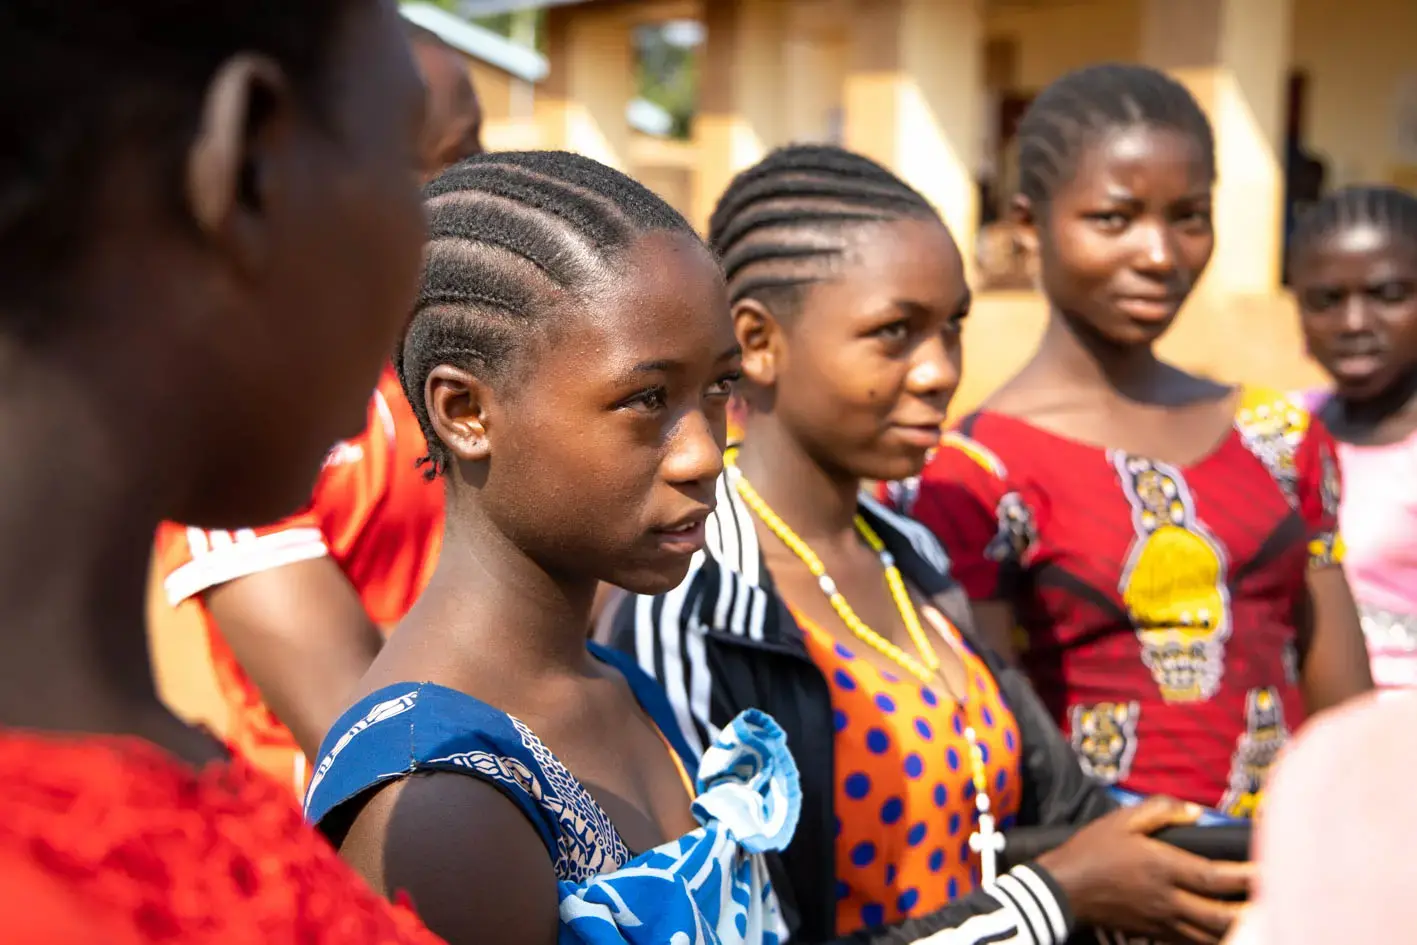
(985, 841)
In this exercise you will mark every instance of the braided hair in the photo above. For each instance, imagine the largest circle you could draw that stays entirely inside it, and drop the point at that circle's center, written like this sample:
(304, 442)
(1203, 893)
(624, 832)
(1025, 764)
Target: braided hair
(1083, 106)
(780, 226)
(1390, 209)
(86, 79)
(513, 237)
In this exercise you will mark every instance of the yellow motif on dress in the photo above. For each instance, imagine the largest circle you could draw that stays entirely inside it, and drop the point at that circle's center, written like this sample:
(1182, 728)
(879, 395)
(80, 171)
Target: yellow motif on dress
(1104, 736)
(976, 451)
(1255, 750)
(1174, 582)
(1272, 427)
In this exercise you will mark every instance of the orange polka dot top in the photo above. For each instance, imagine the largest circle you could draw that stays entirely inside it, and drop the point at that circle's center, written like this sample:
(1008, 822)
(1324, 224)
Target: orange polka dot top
(904, 793)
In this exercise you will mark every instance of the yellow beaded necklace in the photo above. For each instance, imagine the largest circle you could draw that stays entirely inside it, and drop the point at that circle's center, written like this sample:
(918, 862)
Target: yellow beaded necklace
(985, 841)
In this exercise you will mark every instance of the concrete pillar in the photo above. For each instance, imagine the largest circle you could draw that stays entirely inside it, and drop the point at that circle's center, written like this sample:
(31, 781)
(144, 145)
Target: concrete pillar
(741, 102)
(815, 59)
(1234, 57)
(581, 105)
(914, 100)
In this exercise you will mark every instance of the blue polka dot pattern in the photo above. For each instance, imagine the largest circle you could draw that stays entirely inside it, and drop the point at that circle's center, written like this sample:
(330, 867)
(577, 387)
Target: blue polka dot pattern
(952, 889)
(903, 775)
(987, 716)
(914, 766)
(858, 785)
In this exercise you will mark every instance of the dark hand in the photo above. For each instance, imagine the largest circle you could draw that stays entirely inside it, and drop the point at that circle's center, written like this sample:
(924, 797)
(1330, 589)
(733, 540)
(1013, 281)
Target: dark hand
(1117, 877)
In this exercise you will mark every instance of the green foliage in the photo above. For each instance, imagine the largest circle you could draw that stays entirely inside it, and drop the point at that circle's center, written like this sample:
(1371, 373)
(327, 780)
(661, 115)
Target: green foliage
(668, 76)
(665, 74)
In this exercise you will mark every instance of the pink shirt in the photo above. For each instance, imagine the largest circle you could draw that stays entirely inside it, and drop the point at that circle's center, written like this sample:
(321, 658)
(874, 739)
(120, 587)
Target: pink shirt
(1378, 521)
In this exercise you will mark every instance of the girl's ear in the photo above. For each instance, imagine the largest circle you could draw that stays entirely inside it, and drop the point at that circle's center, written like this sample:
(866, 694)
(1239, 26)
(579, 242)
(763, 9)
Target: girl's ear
(458, 411)
(760, 336)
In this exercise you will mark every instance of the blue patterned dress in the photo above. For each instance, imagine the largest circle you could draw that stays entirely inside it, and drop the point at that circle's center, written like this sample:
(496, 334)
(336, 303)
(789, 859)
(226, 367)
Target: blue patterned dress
(709, 886)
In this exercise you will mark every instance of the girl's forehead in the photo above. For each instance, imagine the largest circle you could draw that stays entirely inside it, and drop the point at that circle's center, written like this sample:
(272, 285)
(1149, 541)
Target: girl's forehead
(1138, 151)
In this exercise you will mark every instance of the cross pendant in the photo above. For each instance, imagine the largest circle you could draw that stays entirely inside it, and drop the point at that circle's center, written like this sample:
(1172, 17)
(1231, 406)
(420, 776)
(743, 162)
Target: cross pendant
(988, 843)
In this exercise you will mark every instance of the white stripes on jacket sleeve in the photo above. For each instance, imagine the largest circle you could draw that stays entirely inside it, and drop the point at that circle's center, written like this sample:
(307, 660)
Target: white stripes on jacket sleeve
(669, 646)
(722, 584)
(1028, 914)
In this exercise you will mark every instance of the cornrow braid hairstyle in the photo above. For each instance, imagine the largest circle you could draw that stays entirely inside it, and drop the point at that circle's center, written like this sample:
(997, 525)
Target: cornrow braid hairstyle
(1391, 209)
(513, 237)
(1082, 106)
(781, 224)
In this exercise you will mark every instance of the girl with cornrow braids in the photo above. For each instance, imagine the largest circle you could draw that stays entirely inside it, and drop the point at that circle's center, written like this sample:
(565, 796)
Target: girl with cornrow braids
(839, 618)
(570, 358)
(1158, 550)
(1354, 260)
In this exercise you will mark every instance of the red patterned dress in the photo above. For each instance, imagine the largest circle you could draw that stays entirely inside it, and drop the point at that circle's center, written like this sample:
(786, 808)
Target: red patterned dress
(112, 836)
(1156, 603)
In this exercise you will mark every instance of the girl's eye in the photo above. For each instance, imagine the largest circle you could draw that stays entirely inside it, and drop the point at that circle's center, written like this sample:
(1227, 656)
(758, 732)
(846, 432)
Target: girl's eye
(1393, 293)
(1321, 300)
(723, 387)
(1196, 217)
(656, 398)
(894, 333)
(1110, 220)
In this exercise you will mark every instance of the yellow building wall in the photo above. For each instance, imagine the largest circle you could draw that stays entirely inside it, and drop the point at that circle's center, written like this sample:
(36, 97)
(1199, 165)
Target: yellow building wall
(1356, 54)
(1054, 39)
(494, 90)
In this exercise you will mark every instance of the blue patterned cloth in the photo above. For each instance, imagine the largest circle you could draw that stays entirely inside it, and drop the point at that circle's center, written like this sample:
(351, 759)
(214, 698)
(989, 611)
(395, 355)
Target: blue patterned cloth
(710, 886)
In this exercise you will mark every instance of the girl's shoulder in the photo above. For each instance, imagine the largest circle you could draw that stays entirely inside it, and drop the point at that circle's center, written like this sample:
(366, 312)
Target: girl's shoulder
(424, 728)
